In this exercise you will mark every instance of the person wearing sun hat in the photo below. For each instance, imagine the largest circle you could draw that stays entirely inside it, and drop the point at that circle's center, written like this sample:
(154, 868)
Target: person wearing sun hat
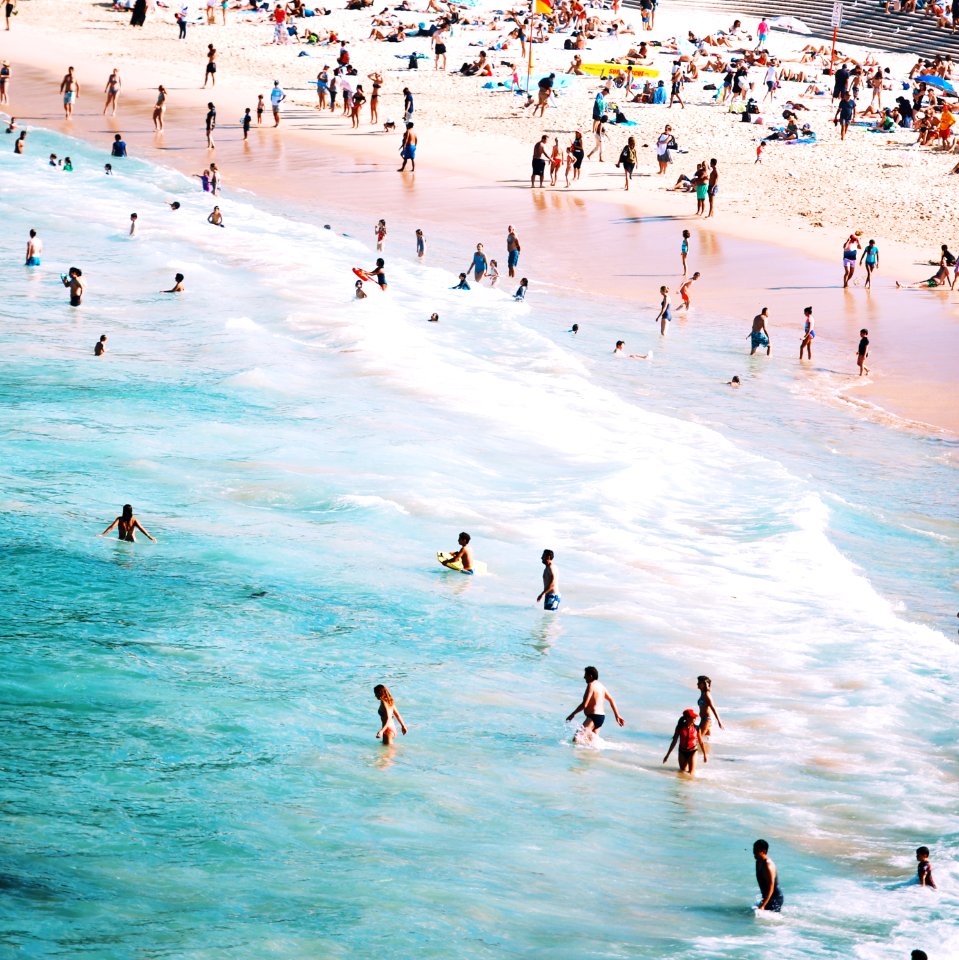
(687, 735)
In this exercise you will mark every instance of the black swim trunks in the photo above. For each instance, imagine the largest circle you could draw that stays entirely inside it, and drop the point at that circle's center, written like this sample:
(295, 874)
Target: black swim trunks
(598, 719)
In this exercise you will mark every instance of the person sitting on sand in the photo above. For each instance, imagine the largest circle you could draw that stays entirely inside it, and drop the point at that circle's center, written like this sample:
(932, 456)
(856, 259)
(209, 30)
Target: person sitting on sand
(576, 66)
(127, 526)
(939, 279)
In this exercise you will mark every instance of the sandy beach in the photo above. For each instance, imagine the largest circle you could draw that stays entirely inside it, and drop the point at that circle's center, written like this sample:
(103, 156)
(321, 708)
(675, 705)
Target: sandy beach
(776, 221)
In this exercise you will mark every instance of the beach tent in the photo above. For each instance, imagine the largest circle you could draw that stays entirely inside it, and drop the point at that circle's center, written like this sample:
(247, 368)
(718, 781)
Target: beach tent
(792, 24)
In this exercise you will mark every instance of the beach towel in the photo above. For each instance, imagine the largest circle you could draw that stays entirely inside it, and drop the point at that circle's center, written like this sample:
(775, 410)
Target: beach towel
(802, 141)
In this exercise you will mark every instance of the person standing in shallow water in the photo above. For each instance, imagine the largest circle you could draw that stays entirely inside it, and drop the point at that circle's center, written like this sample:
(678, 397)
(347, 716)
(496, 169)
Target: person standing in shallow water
(550, 595)
(759, 335)
(689, 739)
(73, 281)
(387, 711)
(809, 334)
(706, 706)
(768, 879)
(127, 526)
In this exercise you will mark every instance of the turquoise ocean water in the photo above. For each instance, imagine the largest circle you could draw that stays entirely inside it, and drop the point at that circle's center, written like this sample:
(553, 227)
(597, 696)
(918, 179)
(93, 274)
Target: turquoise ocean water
(189, 766)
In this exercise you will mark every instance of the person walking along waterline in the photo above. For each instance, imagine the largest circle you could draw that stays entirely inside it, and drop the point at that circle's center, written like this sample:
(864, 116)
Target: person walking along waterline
(809, 334)
(408, 149)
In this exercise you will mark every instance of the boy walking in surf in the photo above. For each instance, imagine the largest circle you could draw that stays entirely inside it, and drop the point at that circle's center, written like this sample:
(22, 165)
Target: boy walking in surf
(593, 706)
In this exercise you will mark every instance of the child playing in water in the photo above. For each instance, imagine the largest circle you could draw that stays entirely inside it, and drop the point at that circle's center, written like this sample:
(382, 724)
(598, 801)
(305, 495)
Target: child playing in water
(463, 554)
(684, 290)
(387, 711)
(924, 869)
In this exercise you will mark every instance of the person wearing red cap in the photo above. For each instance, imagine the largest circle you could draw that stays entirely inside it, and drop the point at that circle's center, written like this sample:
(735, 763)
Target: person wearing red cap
(687, 735)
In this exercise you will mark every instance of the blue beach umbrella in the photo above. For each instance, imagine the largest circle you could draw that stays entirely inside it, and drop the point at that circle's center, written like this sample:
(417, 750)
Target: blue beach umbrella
(934, 81)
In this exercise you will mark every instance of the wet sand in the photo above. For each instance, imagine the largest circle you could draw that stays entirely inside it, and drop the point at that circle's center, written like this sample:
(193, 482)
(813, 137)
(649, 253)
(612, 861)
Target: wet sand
(589, 239)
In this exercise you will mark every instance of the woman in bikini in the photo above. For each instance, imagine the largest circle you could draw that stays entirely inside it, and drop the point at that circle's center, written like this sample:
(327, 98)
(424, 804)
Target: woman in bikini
(377, 80)
(706, 706)
(127, 526)
(689, 739)
(112, 90)
(387, 711)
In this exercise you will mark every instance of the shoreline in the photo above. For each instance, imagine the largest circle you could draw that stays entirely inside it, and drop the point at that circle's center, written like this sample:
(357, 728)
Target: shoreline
(593, 245)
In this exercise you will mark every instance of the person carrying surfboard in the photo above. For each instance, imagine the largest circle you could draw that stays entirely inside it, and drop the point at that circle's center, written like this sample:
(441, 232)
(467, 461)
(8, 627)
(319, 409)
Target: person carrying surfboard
(462, 555)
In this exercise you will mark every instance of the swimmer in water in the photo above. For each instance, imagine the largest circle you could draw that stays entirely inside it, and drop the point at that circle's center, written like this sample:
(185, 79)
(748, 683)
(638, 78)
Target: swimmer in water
(574, 328)
(462, 285)
(177, 285)
(216, 218)
(619, 351)
(100, 348)
(73, 281)
(733, 383)
(175, 205)
(133, 224)
(387, 711)
(593, 706)
(127, 526)
(463, 554)
(360, 292)
(434, 318)
(687, 735)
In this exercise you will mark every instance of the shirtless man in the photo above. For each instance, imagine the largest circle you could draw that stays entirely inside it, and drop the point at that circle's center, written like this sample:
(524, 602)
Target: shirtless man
(539, 161)
(463, 554)
(550, 595)
(34, 250)
(713, 189)
(768, 879)
(70, 90)
(593, 706)
(759, 335)
(73, 281)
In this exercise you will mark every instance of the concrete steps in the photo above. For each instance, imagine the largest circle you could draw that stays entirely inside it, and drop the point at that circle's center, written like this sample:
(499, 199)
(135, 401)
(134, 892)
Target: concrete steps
(865, 23)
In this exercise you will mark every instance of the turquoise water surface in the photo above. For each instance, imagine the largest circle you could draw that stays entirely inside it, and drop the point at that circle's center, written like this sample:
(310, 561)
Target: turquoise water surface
(190, 767)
